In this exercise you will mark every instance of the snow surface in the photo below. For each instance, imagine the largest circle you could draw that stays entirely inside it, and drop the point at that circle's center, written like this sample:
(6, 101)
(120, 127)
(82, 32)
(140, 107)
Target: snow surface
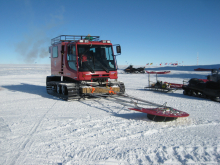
(37, 128)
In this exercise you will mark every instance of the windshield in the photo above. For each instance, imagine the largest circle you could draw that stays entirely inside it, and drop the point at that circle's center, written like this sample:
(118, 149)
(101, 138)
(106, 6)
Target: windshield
(95, 58)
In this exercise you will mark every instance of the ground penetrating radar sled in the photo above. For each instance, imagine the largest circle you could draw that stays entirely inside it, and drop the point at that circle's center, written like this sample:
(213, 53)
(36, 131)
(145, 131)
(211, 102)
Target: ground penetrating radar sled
(85, 67)
(160, 86)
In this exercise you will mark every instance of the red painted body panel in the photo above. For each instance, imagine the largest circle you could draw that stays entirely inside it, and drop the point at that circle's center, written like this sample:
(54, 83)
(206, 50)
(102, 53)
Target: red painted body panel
(86, 76)
(204, 80)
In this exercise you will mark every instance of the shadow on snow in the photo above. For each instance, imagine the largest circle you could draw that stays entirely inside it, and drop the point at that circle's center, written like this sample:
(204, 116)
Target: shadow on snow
(175, 95)
(31, 89)
(133, 115)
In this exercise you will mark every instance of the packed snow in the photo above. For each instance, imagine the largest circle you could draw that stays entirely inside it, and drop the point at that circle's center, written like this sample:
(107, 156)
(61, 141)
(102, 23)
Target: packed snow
(37, 128)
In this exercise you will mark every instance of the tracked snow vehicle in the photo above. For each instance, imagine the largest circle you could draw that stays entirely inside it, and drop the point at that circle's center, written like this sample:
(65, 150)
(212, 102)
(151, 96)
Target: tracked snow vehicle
(81, 65)
(85, 66)
(196, 87)
(131, 69)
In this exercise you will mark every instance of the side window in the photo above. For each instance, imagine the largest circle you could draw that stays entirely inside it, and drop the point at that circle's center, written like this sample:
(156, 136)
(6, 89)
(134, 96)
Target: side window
(109, 57)
(71, 57)
(109, 53)
(55, 52)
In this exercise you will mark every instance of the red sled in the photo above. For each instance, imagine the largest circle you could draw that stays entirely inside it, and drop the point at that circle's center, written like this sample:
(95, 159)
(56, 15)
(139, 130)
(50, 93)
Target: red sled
(202, 69)
(153, 72)
(174, 85)
(162, 113)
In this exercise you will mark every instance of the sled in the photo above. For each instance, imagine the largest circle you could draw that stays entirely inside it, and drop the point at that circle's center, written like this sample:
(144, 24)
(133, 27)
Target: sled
(165, 90)
(162, 86)
(162, 114)
(174, 85)
(162, 111)
(153, 72)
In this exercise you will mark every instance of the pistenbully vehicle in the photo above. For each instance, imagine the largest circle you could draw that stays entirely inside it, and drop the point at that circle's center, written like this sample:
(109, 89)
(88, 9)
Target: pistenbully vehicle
(81, 65)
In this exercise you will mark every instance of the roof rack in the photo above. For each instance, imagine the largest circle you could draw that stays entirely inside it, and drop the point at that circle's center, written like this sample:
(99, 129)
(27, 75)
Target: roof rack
(73, 38)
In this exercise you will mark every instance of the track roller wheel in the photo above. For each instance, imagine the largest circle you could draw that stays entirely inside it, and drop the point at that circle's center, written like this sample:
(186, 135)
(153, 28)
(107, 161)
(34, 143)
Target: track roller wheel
(64, 90)
(58, 89)
(190, 93)
(194, 93)
(185, 92)
(160, 118)
(204, 96)
(215, 98)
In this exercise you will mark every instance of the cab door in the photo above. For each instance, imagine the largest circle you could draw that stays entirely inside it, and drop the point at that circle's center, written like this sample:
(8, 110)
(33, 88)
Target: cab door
(71, 62)
(56, 60)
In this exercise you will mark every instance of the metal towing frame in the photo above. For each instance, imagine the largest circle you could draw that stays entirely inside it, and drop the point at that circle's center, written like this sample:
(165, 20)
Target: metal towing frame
(162, 112)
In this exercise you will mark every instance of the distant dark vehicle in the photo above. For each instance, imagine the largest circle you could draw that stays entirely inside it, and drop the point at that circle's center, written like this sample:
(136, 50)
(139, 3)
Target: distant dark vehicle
(203, 69)
(131, 69)
(209, 89)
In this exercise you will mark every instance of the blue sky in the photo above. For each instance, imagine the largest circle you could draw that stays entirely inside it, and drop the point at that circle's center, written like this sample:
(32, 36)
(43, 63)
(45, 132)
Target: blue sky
(149, 31)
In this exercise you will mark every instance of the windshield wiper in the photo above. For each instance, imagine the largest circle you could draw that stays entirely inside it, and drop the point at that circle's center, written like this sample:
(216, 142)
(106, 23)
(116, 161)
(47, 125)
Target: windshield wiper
(89, 67)
(86, 63)
(102, 65)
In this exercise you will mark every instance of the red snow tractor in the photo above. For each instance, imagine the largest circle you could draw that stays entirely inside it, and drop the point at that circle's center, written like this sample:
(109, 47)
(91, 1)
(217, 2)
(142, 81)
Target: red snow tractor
(82, 65)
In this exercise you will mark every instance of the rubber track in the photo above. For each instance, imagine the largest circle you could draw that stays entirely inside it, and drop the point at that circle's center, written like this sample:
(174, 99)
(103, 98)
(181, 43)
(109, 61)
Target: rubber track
(204, 95)
(72, 90)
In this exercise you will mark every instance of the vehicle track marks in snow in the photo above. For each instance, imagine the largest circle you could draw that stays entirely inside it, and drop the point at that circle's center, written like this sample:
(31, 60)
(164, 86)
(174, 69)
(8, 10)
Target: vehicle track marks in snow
(26, 144)
(3, 127)
(102, 132)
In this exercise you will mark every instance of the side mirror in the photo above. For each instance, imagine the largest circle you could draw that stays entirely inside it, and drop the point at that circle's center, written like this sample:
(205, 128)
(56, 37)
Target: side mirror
(118, 49)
